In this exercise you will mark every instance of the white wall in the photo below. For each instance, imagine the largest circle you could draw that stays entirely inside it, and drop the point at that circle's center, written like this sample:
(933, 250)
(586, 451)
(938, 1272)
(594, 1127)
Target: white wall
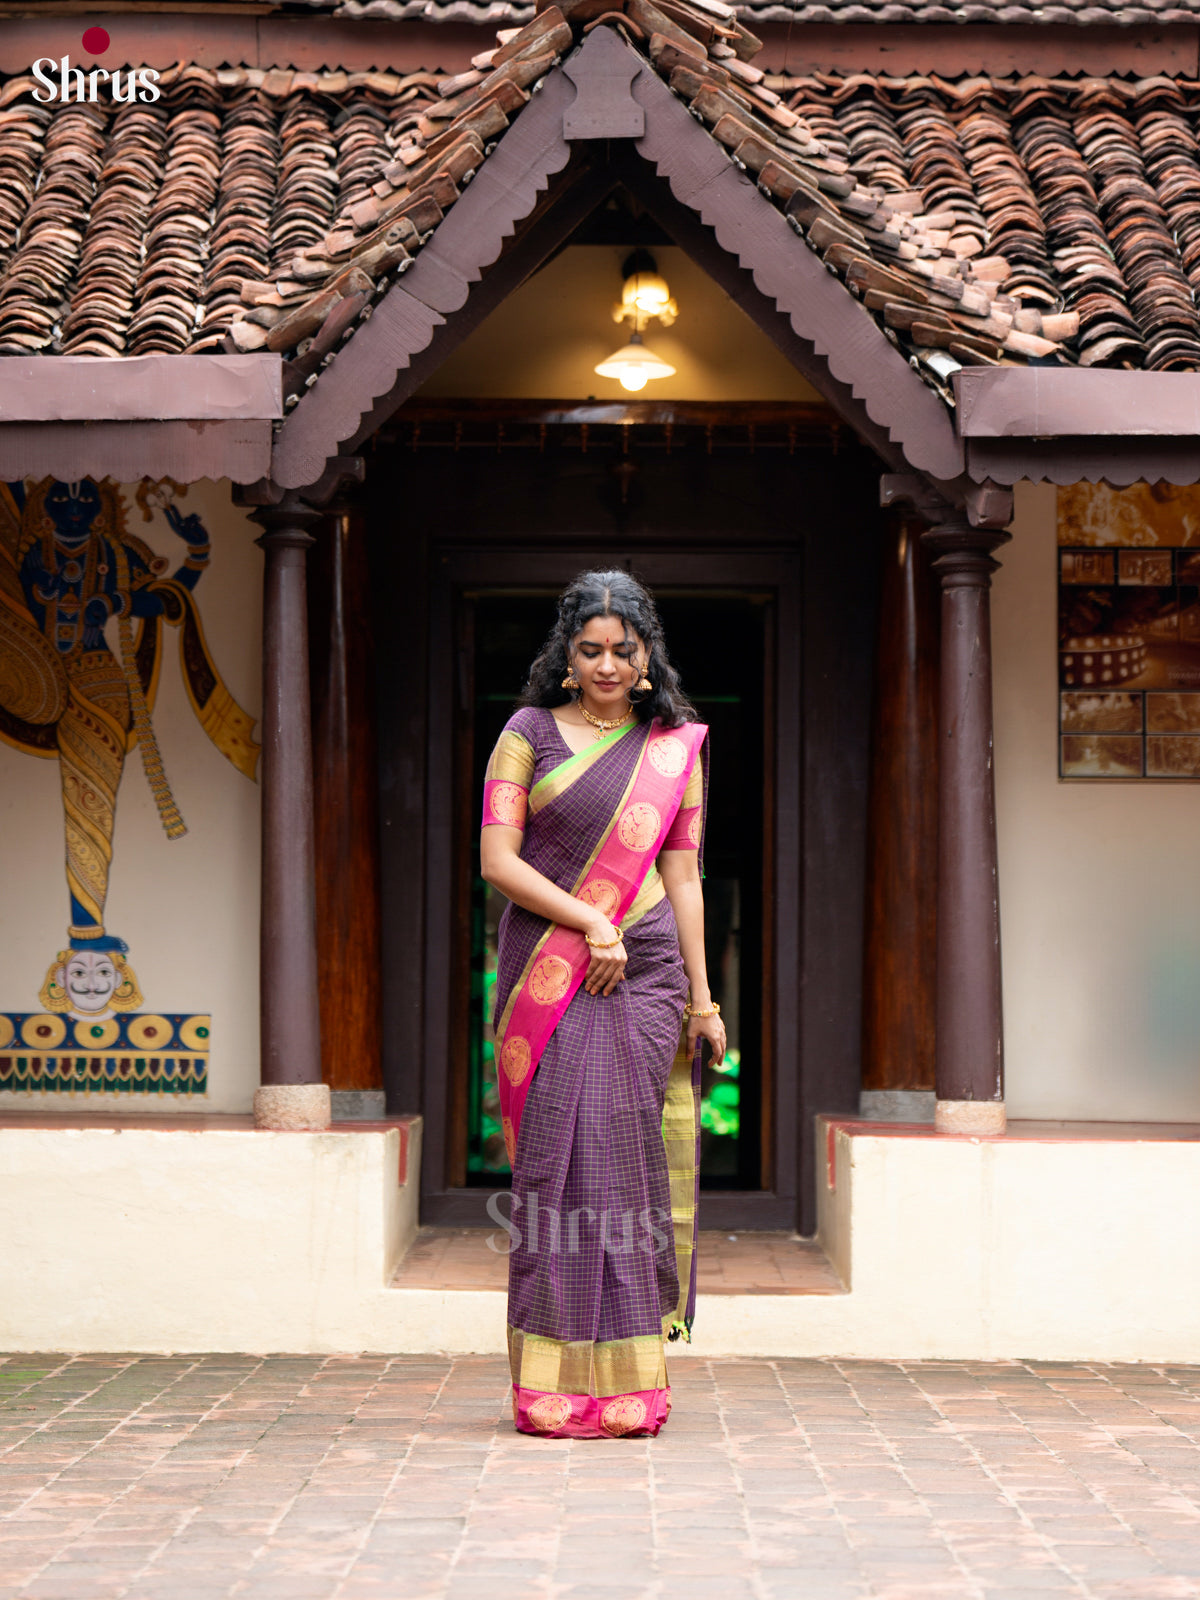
(1099, 909)
(188, 908)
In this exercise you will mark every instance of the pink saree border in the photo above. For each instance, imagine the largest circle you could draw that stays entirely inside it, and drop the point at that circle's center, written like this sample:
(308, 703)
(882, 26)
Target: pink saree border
(589, 1416)
(610, 881)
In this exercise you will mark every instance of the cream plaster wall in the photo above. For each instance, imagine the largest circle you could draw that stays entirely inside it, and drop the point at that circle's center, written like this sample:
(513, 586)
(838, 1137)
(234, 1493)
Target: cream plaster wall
(543, 342)
(220, 1239)
(188, 908)
(1099, 909)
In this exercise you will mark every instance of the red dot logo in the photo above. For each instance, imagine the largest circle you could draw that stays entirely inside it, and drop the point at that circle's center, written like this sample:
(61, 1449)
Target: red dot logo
(95, 41)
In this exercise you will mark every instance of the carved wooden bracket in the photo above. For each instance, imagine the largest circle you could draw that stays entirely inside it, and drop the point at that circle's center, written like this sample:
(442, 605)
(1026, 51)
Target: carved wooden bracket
(603, 72)
(899, 488)
(985, 505)
(341, 474)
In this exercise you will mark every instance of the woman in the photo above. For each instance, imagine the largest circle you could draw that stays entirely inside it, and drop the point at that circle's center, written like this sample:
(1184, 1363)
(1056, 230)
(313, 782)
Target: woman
(593, 826)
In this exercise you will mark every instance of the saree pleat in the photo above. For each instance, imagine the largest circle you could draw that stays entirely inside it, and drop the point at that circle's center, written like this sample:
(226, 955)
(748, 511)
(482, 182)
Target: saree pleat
(602, 1231)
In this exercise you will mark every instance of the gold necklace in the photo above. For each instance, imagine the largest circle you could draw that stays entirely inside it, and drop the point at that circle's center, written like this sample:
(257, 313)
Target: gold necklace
(601, 726)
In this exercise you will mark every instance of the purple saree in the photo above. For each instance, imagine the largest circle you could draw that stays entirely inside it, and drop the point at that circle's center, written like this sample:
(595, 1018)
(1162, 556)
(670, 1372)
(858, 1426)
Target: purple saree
(598, 1097)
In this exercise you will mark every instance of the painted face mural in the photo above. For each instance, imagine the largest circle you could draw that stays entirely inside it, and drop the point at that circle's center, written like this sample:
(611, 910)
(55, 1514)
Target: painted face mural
(71, 691)
(91, 978)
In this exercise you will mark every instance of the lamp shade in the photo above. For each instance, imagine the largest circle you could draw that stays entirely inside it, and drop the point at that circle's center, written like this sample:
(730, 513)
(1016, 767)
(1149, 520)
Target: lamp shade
(634, 365)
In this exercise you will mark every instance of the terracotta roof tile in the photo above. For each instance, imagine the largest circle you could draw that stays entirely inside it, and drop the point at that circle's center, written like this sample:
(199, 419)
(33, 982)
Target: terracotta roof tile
(1045, 13)
(979, 220)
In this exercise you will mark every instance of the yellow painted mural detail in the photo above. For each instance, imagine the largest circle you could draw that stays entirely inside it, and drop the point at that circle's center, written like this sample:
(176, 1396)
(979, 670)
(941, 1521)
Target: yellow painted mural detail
(68, 567)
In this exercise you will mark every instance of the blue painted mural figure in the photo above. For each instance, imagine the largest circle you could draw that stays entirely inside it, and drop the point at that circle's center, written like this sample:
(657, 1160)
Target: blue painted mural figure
(67, 566)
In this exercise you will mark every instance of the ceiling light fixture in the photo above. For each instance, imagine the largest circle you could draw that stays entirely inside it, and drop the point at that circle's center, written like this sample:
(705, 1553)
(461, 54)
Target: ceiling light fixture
(634, 365)
(644, 295)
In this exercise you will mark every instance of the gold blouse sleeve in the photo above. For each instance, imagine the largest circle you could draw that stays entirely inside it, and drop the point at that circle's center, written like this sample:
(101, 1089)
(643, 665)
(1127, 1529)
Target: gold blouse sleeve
(512, 761)
(693, 795)
(507, 782)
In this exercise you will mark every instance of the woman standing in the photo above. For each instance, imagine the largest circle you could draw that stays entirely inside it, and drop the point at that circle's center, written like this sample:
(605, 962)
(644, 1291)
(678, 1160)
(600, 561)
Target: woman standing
(593, 826)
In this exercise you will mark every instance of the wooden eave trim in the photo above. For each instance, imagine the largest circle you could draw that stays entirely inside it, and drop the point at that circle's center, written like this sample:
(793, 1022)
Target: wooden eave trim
(157, 388)
(186, 450)
(1088, 459)
(1069, 425)
(702, 177)
(1057, 402)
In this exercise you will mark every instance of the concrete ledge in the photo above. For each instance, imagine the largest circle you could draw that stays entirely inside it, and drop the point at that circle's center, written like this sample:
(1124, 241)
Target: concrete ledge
(1045, 1245)
(1041, 1245)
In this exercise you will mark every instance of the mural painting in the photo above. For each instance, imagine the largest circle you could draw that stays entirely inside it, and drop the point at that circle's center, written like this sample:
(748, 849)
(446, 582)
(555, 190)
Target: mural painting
(1129, 631)
(83, 606)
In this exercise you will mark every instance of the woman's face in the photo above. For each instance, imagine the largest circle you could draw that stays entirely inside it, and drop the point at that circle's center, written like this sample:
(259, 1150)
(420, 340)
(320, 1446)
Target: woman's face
(606, 663)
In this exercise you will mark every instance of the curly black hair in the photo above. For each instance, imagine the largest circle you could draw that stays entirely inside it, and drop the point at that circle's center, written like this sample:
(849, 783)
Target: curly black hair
(609, 594)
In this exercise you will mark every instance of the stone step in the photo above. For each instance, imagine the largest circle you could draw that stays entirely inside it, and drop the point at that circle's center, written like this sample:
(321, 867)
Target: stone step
(730, 1264)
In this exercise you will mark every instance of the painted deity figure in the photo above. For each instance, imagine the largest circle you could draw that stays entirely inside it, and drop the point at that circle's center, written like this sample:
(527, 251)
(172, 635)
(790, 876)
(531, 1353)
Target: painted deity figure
(68, 569)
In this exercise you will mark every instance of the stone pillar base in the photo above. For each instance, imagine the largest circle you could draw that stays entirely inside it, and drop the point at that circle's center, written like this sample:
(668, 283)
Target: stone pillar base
(970, 1116)
(292, 1107)
(897, 1105)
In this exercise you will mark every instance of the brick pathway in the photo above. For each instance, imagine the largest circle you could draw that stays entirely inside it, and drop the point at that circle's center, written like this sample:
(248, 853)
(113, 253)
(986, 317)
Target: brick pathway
(359, 1478)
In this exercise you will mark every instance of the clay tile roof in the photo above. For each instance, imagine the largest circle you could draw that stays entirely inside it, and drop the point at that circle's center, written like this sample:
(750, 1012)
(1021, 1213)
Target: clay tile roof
(980, 221)
(1046, 13)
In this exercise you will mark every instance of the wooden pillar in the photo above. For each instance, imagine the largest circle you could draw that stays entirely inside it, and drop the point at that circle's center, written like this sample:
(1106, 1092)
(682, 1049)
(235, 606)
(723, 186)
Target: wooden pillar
(970, 1051)
(900, 948)
(346, 784)
(292, 1094)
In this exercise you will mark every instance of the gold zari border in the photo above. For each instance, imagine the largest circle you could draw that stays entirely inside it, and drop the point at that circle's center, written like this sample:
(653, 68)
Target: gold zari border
(560, 1366)
(560, 778)
(679, 1136)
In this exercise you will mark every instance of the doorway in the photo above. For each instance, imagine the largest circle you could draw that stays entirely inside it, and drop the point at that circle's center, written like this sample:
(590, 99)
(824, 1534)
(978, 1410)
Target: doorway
(477, 521)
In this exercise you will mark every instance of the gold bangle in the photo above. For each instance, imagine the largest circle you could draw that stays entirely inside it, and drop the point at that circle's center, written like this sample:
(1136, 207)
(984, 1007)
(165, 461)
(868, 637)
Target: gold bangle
(611, 945)
(713, 1011)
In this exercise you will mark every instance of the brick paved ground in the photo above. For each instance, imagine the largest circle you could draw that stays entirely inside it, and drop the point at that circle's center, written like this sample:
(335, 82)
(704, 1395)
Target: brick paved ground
(309, 1478)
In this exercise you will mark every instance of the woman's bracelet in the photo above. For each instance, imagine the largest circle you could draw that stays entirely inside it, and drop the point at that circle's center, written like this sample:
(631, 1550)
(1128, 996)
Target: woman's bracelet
(612, 943)
(714, 1010)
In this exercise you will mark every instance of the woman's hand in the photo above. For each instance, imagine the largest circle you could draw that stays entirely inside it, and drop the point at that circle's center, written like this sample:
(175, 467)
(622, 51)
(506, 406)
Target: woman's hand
(710, 1028)
(607, 967)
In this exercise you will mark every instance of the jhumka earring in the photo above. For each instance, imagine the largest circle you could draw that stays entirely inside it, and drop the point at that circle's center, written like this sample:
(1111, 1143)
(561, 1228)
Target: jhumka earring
(645, 686)
(570, 681)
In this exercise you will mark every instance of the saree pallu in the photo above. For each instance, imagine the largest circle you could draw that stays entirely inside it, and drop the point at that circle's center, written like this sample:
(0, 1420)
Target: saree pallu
(603, 1129)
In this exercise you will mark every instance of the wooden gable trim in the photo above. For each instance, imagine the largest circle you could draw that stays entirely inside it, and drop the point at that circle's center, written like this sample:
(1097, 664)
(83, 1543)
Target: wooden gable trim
(872, 384)
(850, 344)
(470, 239)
